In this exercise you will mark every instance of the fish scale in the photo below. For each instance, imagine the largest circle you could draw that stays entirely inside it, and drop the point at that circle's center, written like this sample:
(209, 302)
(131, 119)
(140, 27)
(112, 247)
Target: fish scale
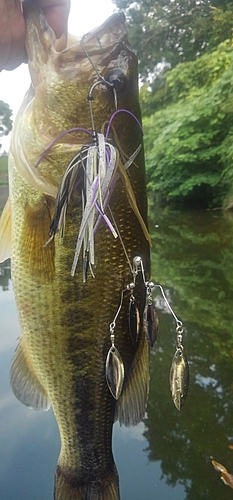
(65, 323)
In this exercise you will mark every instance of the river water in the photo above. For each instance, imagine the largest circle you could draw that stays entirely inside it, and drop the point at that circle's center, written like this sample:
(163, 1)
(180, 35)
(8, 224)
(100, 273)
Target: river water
(167, 456)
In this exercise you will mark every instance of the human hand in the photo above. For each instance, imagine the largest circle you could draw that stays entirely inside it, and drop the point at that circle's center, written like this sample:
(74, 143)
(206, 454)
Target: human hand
(12, 28)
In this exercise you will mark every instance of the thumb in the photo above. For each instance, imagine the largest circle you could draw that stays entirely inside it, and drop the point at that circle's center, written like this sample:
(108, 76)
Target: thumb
(56, 13)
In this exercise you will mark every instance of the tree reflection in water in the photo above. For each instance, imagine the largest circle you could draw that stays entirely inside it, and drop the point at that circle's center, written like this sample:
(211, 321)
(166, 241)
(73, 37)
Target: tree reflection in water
(193, 260)
(5, 274)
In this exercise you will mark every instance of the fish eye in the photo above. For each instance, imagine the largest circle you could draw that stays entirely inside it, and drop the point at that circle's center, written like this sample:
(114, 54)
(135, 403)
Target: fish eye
(117, 79)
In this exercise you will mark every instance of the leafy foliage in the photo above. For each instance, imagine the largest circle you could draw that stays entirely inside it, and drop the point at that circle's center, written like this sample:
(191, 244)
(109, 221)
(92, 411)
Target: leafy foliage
(188, 140)
(5, 119)
(171, 31)
(187, 80)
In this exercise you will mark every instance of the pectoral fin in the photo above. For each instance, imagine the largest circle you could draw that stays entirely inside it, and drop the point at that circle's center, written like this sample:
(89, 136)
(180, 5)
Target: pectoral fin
(5, 233)
(25, 384)
(130, 407)
(38, 256)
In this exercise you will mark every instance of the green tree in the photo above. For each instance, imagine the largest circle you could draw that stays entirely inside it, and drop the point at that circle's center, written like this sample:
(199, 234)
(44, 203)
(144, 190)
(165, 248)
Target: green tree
(5, 119)
(170, 31)
(188, 141)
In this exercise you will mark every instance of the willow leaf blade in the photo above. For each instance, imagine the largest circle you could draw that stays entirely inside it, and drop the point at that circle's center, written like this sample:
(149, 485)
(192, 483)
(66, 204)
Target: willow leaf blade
(114, 372)
(179, 379)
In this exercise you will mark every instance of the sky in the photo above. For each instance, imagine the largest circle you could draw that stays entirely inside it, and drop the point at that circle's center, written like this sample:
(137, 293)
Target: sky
(84, 16)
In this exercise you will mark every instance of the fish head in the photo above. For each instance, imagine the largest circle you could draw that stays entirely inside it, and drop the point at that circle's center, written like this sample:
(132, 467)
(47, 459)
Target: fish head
(62, 79)
(66, 75)
(77, 84)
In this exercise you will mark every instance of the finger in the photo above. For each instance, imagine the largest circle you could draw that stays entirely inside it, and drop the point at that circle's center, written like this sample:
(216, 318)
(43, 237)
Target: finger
(12, 32)
(56, 13)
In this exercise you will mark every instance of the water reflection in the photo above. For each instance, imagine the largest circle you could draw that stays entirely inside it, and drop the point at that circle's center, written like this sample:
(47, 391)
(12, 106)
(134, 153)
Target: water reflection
(5, 275)
(167, 457)
(193, 256)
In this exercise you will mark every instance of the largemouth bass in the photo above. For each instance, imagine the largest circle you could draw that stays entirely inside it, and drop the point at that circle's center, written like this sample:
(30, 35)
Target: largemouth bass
(79, 247)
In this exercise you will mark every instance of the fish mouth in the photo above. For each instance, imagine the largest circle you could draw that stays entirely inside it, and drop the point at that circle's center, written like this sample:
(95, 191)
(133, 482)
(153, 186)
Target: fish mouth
(76, 59)
(98, 48)
(105, 36)
(106, 40)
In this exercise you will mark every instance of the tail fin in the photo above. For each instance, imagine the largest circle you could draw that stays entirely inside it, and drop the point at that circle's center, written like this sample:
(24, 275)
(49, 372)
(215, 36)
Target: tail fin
(68, 486)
